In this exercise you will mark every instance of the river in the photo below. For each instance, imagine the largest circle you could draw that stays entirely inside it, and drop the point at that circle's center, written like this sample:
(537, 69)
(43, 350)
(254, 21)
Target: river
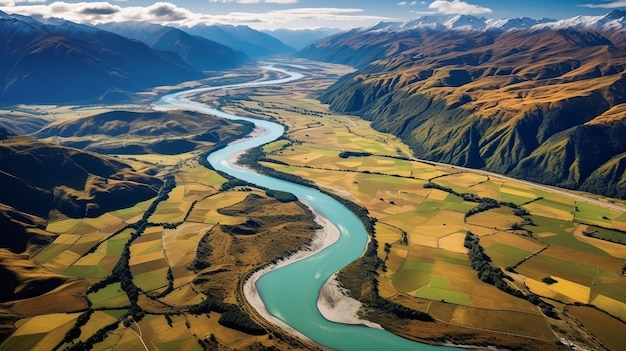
(290, 293)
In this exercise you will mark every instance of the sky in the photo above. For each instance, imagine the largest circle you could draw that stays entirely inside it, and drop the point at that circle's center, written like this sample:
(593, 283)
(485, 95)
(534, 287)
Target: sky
(298, 14)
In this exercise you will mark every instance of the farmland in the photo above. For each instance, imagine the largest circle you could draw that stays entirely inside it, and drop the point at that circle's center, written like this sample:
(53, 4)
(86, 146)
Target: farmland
(531, 233)
(169, 268)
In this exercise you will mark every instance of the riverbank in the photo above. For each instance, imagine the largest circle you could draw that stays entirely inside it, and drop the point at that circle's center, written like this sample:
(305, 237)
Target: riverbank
(332, 302)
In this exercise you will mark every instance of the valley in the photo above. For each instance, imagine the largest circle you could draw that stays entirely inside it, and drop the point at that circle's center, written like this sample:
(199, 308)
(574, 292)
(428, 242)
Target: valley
(167, 272)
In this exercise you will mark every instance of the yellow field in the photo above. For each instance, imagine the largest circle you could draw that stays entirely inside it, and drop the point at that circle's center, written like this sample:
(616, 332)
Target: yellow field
(453, 243)
(613, 249)
(570, 289)
(614, 307)
(547, 211)
(500, 218)
(43, 324)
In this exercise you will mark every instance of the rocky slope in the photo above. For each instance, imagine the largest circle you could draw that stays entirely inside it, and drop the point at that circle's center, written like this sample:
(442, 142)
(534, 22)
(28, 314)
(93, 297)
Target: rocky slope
(544, 104)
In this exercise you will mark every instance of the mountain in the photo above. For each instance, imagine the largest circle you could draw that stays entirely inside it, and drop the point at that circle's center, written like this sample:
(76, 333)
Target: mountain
(200, 53)
(39, 178)
(542, 104)
(611, 21)
(65, 62)
(253, 43)
(300, 38)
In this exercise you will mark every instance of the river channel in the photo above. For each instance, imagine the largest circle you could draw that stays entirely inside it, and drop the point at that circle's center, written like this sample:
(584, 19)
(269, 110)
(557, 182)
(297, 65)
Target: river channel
(290, 293)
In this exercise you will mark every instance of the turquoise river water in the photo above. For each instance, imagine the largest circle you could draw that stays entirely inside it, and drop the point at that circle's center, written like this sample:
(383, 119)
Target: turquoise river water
(290, 293)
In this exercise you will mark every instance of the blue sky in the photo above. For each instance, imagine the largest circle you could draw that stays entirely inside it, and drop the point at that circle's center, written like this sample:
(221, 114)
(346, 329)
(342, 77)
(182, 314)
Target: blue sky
(271, 14)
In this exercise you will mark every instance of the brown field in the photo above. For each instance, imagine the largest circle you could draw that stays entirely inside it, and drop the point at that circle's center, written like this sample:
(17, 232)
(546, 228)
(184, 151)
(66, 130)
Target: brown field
(614, 307)
(499, 218)
(517, 323)
(609, 330)
(69, 293)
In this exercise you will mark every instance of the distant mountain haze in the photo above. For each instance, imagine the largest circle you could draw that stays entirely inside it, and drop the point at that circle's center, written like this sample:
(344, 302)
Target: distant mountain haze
(253, 43)
(300, 38)
(199, 52)
(545, 102)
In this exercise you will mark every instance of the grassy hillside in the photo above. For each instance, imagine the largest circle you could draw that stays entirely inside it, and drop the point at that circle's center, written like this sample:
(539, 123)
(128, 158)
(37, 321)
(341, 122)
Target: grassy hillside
(127, 132)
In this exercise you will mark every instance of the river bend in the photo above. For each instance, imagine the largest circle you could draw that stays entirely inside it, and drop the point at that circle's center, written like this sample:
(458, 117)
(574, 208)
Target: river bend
(290, 293)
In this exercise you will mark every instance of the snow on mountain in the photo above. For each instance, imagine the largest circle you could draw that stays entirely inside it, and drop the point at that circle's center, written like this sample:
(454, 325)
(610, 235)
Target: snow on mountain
(611, 21)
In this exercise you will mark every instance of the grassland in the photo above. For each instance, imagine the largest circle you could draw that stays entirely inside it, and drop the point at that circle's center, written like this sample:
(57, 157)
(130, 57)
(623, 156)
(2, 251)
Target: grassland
(188, 254)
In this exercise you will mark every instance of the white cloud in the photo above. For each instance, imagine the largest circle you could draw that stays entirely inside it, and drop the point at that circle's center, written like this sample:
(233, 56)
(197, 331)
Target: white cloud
(457, 7)
(608, 5)
(167, 13)
(258, 1)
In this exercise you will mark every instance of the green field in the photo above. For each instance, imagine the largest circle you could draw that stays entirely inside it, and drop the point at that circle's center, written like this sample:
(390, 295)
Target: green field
(111, 296)
(412, 276)
(557, 232)
(593, 214)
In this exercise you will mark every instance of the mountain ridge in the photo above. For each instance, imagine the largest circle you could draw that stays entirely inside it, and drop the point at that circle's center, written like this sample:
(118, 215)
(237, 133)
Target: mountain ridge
(65, 62)
(543, 105)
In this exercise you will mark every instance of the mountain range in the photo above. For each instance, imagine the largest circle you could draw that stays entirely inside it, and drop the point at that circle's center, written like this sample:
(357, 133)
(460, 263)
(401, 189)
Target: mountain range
(611, 21)
(200, 53)
(65, 62)
(544, 102)
(253, 43)
(53, 61)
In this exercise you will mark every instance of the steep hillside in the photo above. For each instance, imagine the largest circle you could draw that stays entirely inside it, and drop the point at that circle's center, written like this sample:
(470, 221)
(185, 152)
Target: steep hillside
(162, 132)
(40, 177)
(201, 53)
(540, 104)
(64, 62)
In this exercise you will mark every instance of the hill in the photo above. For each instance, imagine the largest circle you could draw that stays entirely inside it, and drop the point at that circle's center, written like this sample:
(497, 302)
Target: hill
(541, 104)
(64, 62)
(127, 132)
(40, 177)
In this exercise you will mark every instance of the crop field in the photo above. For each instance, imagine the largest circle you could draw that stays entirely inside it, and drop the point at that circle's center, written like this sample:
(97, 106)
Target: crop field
(593, 214)
(508, 249)
(100, 263)
(524, 323)
(462, 182)
(610, 330)
(39, 332)
(499, 218)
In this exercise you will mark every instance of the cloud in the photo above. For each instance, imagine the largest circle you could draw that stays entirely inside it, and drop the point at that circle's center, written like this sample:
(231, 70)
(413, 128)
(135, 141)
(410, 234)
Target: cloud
(457, 7)
(404, 3)
(608, 5)
(101, 9)
(167, 13)
(258, 1)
